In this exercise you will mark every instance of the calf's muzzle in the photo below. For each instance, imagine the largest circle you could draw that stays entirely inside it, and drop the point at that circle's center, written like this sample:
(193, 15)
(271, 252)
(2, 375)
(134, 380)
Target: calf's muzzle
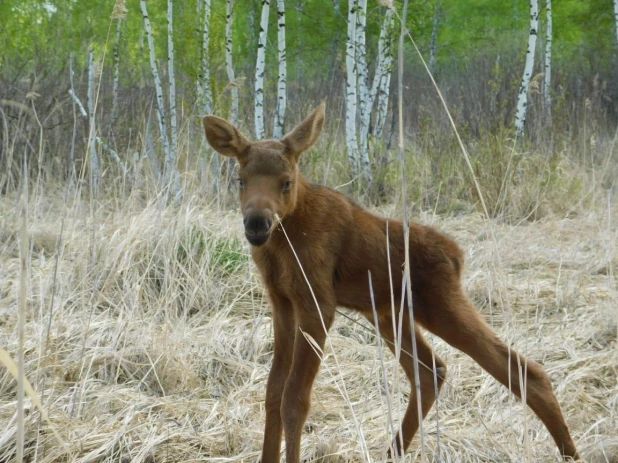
(257, 228)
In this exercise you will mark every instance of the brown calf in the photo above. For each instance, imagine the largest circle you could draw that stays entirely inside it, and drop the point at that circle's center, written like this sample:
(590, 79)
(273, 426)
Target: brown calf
(338, 243)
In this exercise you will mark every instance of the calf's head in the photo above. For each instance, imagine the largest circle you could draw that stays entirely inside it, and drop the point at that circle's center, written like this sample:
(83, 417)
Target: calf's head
(268, 174)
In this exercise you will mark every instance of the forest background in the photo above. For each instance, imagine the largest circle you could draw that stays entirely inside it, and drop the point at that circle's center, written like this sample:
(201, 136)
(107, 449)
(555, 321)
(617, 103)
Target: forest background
(476, 50)
(127, 295)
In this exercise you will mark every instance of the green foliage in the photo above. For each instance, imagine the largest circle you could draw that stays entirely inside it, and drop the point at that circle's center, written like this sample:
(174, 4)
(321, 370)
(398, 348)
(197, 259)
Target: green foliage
(583, 26)
(473, 27)
(228, 256)
(222, 256)
(481, 48)
(40, 33)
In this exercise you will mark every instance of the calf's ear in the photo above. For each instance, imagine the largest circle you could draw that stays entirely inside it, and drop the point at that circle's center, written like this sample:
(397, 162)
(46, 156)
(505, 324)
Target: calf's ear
(306, 133)
(225, 138)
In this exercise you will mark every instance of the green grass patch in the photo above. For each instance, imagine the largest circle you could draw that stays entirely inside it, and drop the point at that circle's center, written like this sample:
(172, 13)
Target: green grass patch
(222, 256)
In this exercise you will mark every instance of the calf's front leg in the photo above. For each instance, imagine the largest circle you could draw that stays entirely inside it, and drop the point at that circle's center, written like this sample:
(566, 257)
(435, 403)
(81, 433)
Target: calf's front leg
(284, 325)
(305, 366)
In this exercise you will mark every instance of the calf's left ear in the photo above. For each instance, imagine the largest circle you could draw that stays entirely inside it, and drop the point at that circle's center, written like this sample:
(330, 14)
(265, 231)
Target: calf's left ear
(306, 133)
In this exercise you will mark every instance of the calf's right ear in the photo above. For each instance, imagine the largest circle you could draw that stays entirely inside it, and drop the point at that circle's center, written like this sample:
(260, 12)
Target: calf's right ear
(224, 137)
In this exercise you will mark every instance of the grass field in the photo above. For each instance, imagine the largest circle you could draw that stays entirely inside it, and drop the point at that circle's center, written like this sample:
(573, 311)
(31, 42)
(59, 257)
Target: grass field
(148, 338)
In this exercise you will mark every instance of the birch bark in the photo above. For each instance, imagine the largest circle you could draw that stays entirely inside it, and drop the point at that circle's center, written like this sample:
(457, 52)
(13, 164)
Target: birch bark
(204, 91)
(548, 44)
(522, 101)
(229, 62)
(363, 90)
(97, 139)
(229, 67)
(351, 97)
(114, 111)
(281, 84)
(433, 48)
(380, 90)
(157, 81)
(259, 71)
(170, 159)
(94, 156)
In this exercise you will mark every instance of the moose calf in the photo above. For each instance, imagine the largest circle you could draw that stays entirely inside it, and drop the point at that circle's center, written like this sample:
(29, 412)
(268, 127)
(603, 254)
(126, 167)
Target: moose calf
(338, 244)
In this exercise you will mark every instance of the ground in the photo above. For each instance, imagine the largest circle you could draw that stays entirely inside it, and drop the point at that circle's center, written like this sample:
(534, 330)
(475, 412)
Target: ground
(148, 338)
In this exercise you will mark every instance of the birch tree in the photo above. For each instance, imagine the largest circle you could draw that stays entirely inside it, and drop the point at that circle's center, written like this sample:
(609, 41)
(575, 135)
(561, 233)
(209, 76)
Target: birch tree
(116, 72)
(170, 160)
(259, 71)
(433, 47)
(94, 155)
(522, 101)
(204, 90)
(89, 117)
(157, 81)
(281, 84)
(380, 89)
(548, 43)
(351, 84)
(363, 90)
(229, 67)
(229, 63)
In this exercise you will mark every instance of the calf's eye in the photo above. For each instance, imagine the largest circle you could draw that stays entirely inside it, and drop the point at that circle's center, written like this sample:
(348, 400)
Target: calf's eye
(287, 185)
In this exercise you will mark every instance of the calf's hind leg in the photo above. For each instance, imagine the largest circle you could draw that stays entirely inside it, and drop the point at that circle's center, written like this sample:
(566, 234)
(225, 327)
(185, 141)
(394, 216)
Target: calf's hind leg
(427, 379)
(458, 322)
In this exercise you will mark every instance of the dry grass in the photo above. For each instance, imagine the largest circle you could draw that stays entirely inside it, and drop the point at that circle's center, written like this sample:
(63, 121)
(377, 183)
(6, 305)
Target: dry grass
(151, 340)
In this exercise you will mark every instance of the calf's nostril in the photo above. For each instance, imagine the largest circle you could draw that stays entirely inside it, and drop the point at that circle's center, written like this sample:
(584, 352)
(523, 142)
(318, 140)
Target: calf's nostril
(257, 225)
(262, 226)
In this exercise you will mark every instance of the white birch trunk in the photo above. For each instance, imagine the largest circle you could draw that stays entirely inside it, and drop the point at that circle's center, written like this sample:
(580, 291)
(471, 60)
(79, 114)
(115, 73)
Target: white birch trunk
(351, 97)
(522, 101)
(548, 43)
(281, 84)
(170, 160)
(78, 103)
(204, 90)
(363, 90)
(259, 71)
(94, 156)
(157, 81)
(231, 162)
(433, 48)
(229, 63)
(84, 114)
(114, 112)
(71, 169)
(380, 90)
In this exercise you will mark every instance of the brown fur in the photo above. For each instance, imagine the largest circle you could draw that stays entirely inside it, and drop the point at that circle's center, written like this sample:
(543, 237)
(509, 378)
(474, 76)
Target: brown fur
(338, 243)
